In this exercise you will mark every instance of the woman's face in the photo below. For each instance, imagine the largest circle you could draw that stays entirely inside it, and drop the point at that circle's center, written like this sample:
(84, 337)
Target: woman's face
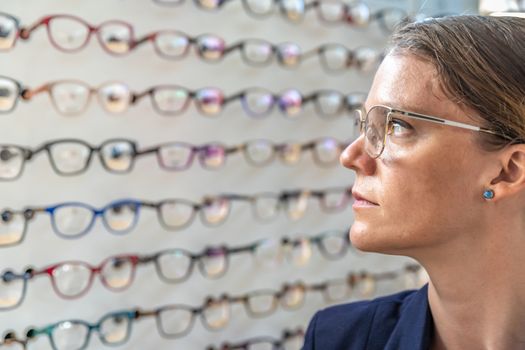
(425, 190)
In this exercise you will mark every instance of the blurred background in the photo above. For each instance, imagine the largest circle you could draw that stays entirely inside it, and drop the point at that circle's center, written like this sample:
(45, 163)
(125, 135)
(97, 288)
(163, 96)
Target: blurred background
(269, 107)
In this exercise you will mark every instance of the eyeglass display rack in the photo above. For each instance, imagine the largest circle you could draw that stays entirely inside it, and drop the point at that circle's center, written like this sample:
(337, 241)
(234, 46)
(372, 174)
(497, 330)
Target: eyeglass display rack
(37, 121)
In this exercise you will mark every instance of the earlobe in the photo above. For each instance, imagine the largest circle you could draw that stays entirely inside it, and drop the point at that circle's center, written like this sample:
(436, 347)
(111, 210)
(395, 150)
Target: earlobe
(511, 179)
(488, 194)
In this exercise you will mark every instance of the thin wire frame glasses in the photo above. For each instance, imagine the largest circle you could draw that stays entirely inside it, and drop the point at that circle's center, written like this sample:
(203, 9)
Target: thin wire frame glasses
(377, 123)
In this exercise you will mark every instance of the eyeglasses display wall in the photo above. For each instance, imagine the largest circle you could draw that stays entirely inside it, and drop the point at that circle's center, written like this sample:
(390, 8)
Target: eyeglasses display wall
(169, 171)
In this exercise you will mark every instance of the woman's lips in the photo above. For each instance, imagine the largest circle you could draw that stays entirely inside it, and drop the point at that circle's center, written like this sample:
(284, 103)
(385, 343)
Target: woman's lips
(360, 201)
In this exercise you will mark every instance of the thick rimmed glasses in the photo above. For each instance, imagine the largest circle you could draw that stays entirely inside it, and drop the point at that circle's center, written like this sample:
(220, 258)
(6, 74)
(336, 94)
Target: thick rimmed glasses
(257, 102)
(178, 156)
(292, 10)
(113, 329)
(74, 219)
(174, 321)
(11, 342)
(71, 220)
(380, 122)
(10, 92)
(69, 157)
(13, 226)
(174, 44)
(12, 161)
(9, 27)
(332, 245)
(289, 340)
(336, 58)
(71, 34)
(260, 53)
(72, 97)
(329, 12)
(13, 288)
(72, 279)
(72, 157)
(325, 151)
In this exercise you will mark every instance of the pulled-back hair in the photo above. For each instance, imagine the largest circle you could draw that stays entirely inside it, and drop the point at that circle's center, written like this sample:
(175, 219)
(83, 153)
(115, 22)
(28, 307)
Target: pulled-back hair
(481, 65)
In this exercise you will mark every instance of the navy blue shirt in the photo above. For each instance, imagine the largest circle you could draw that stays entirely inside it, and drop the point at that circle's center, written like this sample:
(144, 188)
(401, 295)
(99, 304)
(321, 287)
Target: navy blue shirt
(398, 321)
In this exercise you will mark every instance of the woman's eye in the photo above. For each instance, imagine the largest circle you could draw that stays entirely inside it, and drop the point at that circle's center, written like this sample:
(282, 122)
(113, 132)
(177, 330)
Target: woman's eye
(400, 128)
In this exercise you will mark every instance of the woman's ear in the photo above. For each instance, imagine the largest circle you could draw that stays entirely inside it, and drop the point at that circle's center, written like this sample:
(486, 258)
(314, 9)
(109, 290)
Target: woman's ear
(511, 179)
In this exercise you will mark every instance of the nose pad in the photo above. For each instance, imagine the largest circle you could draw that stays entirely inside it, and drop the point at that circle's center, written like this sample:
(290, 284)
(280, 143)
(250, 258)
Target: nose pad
(389, 125)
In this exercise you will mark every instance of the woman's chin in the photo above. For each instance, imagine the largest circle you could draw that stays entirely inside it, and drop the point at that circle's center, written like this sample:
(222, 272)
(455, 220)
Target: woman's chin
(365, 239)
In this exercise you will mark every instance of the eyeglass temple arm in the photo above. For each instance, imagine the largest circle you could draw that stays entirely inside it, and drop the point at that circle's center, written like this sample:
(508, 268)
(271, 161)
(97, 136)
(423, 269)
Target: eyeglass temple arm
(235, 196)
(152, 149)
(234, 46)
(149, 204)
(242, 249)
(25, 32)
(9, 276)
(138, 313)
(10, 337)
(235, 149)
(37, 150)
(233, 97)
(33, 332)
(136, 96)
(448, 122)
(143, 39)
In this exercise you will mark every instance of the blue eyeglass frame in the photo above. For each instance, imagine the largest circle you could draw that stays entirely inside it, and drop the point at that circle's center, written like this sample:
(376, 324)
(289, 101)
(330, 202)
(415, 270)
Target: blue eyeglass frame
(95, 212)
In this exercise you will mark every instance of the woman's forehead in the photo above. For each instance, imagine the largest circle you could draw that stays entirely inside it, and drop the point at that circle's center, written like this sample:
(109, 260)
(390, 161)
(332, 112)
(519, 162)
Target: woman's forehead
(407, 81)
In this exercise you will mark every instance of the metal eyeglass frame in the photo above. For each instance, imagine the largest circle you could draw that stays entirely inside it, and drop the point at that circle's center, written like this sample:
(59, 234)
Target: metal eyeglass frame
(362, 123)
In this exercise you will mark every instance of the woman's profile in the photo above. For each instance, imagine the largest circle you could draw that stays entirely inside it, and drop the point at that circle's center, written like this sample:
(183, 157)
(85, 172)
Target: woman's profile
(439, 166)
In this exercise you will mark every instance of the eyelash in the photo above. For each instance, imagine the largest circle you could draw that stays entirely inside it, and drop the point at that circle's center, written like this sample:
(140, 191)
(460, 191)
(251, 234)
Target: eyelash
(401, 123)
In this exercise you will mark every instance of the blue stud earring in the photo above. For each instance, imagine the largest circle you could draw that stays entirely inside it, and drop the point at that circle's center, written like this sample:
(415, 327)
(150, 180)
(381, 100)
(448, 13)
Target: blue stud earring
(488, 194)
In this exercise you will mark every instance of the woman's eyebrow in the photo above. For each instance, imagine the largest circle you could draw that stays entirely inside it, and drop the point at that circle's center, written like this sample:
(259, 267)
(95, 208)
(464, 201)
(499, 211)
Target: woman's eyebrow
(400, 106)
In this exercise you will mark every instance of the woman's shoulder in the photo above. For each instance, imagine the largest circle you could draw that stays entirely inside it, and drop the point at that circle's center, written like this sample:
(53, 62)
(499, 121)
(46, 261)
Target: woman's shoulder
(368, 324)
(364, 308)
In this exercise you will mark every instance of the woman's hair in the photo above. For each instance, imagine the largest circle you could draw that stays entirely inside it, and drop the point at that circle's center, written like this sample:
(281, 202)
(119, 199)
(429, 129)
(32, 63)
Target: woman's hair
(481, 65)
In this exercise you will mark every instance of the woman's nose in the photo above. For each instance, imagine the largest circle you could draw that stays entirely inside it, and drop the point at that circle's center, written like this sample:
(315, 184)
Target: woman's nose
(355, 157)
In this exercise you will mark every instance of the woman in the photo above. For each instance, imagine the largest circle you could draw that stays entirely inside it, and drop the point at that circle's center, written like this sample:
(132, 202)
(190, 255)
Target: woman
(440, 177)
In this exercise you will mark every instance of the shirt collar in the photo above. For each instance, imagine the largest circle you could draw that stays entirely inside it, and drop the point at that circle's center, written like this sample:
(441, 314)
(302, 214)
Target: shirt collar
(415, 327)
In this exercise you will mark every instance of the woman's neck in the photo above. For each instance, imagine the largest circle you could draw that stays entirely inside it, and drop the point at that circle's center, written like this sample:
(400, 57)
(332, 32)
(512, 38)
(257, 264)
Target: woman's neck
(477, 295)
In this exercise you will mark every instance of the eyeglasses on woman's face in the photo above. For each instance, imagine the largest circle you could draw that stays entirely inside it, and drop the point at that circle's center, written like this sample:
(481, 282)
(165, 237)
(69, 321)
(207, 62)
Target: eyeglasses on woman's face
(381, 122)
